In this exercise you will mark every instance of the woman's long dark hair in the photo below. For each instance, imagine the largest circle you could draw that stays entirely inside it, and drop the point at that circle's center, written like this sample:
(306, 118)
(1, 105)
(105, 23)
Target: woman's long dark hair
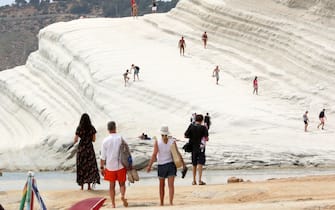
(85, 122)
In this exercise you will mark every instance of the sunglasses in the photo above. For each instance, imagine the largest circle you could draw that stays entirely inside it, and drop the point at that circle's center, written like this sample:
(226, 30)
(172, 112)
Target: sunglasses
(164, 135)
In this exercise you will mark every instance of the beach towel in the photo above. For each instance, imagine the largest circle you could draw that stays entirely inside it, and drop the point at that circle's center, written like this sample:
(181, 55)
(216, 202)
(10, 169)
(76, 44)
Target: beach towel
(125, 155)
(89, 204)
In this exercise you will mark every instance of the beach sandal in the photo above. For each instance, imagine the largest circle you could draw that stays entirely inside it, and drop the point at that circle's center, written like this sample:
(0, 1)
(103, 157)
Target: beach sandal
(202, 183)
(183, 172)
(125, 202)
(194, 183)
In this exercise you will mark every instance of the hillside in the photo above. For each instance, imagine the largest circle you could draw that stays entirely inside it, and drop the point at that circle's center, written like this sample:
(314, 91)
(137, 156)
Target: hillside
(19, 25)
(79, 64)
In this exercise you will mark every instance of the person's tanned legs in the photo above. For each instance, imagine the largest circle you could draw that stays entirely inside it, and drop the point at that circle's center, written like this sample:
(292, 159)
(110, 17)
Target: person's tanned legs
(123, 193)
(171, 189)
(112, 192)
(161, 191)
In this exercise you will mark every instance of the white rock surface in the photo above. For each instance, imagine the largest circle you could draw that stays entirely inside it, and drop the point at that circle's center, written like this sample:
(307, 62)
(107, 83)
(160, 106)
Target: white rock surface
(79, 65)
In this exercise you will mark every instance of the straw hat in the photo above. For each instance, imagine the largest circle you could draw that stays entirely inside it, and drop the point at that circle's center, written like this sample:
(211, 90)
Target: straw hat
(164, 130)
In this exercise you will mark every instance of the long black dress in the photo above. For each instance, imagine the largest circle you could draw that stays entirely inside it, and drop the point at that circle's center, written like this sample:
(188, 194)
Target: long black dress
(87, 168)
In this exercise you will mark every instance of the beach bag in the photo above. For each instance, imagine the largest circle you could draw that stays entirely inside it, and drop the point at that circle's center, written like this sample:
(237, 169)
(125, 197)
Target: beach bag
(132, 175)
(125, 156)
(188, 147)
(176, 156)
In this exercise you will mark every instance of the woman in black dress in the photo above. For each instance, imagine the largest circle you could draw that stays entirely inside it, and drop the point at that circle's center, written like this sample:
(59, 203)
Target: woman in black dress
(87, 168)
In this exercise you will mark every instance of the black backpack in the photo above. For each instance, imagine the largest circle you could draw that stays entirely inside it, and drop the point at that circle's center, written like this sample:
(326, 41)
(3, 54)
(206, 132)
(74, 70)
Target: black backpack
(188, 147)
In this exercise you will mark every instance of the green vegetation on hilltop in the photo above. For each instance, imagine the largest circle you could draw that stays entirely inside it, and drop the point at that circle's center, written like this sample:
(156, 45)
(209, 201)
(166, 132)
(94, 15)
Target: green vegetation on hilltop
(106, 8)
(21, 22)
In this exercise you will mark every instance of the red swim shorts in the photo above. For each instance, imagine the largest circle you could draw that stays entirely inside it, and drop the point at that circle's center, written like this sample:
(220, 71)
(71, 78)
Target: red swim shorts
(119, 175)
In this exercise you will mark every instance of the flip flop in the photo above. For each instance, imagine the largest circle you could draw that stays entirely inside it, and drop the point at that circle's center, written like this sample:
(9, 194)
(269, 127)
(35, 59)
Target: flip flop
(202, 183)
(125, 203)
(194, 183)
(183, 172)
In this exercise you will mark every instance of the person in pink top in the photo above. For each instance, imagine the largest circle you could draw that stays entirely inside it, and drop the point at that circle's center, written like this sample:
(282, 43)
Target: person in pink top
(134, 9)
(255, 84)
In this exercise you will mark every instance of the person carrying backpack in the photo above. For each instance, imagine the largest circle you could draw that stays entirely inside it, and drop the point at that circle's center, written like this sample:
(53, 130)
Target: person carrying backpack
(111, 166)
(136, 71)
(197, 135)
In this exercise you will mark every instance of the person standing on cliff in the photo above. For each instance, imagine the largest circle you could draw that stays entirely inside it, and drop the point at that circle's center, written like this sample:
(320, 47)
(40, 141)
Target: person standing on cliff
(306, 120)
(322, 118)
(154, 6)
(136, 71)
(204, 39)
(255, 85)
(216, 74)
(182, 46)
(134, 9)
(207, 121)
(125, 77)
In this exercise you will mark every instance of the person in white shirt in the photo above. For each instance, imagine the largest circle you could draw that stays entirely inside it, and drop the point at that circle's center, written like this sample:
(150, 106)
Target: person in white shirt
(110, 163)
(154, 6)
(166, 167)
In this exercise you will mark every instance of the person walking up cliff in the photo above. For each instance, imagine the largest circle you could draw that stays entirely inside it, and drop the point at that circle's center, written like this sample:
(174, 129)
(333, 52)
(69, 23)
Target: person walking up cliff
(216, 72)
(204, 38)
(255, 85)
(136, 71)
(306, 120)
(182, 46)
(322, 118)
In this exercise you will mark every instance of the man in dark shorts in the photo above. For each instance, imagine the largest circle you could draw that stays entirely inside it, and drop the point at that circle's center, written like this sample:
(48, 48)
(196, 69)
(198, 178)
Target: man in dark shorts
(305, 117)
(136, 71)
(196, 133)
(207, 121)
(322, 118)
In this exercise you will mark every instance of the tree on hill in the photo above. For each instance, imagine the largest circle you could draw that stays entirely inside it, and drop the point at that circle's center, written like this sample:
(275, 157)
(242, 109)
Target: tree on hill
(116, 8)
(122, 8)
(109, 8)
(35, 3)
(20, 2)
(81, 7)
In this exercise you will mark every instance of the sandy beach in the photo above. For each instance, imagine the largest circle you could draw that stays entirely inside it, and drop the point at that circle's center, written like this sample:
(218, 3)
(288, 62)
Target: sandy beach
(78, 68)
(304, 193)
